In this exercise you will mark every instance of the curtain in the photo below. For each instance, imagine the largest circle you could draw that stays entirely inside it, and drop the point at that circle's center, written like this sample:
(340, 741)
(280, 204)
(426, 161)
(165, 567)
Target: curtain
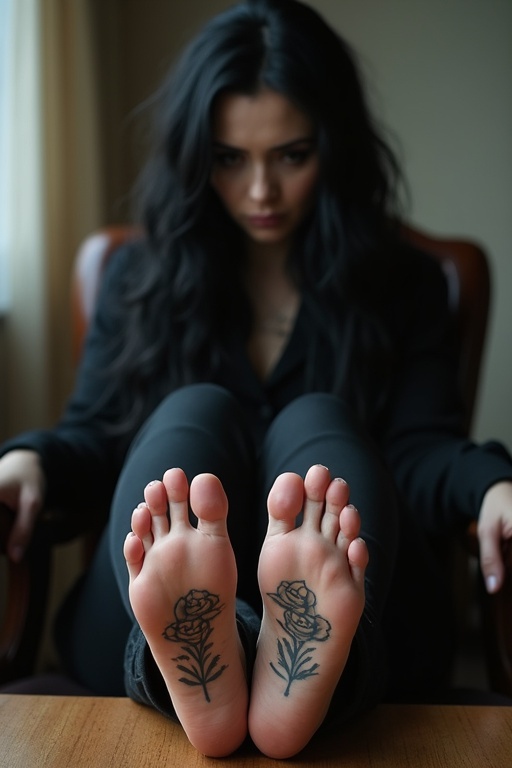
(74, 193)
(53, 194)
(24, 326)
(53, 197)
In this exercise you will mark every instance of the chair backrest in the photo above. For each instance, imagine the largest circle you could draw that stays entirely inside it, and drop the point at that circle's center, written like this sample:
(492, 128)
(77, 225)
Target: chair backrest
(91, 259)
(464, 262)
(466, 267)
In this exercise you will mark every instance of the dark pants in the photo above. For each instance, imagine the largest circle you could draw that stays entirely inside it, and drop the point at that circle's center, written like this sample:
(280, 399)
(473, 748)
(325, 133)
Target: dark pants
(202, 428)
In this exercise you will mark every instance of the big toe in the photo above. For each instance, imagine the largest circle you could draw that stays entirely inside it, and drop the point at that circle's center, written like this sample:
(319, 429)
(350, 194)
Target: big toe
(209, 503)
(285, 502)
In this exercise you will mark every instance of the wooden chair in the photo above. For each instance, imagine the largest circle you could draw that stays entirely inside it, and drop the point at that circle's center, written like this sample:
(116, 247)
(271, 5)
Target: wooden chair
(467, 272)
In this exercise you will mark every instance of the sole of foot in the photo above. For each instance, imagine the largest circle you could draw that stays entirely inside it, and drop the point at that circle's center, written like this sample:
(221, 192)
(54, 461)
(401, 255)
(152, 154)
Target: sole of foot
(182, 591)
(311, 579)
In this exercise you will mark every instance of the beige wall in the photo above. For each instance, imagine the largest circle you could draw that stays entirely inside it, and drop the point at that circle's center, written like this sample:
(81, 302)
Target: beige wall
(442, 73)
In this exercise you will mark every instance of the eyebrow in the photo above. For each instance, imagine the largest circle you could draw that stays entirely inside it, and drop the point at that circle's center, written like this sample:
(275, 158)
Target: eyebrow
(277, 148)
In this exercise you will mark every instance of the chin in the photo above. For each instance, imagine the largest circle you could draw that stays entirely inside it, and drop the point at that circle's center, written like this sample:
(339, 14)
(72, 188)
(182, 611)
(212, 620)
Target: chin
(268, 236)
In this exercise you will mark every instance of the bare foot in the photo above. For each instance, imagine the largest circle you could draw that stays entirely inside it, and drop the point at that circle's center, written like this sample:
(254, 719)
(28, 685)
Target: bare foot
(182, 591)
(312, 584)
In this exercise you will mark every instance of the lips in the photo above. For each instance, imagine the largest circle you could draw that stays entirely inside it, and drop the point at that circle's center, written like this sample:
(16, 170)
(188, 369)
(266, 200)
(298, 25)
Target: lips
(265, 221)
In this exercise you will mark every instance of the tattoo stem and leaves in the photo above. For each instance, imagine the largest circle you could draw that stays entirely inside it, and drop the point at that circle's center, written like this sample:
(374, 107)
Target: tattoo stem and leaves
(194, 613)
(302, 626)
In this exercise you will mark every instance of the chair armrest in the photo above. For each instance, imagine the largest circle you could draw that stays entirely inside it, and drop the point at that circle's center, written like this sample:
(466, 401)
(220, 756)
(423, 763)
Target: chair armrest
(25, 604)
(497, 621)
(27, 589)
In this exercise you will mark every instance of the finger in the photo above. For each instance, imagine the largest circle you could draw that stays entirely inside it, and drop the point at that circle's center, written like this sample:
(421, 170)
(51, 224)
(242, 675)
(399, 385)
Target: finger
(23, 526)
(491, 561)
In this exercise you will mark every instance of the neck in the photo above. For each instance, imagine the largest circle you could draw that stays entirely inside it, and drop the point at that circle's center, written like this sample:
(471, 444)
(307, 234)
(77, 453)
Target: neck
(273, 294)
(266, 259)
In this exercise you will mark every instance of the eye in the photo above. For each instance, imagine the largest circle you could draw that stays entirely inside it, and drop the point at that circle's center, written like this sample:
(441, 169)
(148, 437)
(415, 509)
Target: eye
(226, 158)
(296, 156)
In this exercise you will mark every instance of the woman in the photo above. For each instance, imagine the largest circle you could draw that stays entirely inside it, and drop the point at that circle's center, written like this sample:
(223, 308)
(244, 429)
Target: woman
(270, 336)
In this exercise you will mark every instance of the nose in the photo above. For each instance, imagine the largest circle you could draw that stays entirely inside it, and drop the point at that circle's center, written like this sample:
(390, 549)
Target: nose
(262, 185)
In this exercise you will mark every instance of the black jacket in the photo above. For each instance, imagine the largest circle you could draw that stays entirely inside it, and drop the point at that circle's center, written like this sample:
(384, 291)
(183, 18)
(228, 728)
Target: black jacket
(442, 475)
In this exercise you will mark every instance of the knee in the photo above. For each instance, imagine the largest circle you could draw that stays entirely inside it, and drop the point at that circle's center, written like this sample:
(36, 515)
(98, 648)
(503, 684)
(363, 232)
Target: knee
(195, 400)
(200, 392)
(205, 408)
(321, 428)
(318, 410)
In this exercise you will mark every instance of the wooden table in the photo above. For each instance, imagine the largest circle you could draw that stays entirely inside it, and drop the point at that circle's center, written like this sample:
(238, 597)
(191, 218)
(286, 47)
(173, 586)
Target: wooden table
(76, 732)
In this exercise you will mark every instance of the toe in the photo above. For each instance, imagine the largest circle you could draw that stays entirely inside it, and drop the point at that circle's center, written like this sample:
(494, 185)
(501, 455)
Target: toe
(133, 551)
(156, 501)
(335, 499)
(285, 502)
(316, 483)
(176, 489)
(358, 560)
(350, 523)
(209, 503)
(142, 525)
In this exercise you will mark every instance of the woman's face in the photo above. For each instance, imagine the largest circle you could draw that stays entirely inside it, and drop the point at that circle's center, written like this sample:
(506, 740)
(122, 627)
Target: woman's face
(265, 166)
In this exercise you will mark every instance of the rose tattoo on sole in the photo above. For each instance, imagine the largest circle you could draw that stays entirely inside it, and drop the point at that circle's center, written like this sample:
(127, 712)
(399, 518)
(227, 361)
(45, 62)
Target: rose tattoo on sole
(194, 613)
(302, 626)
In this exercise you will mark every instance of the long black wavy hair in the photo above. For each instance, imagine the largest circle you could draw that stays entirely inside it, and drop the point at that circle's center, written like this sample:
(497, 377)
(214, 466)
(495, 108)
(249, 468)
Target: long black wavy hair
(189, 291)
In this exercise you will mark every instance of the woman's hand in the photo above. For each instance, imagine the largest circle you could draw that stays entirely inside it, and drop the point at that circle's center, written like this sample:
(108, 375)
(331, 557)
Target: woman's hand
(22, 488)
(495, 529)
